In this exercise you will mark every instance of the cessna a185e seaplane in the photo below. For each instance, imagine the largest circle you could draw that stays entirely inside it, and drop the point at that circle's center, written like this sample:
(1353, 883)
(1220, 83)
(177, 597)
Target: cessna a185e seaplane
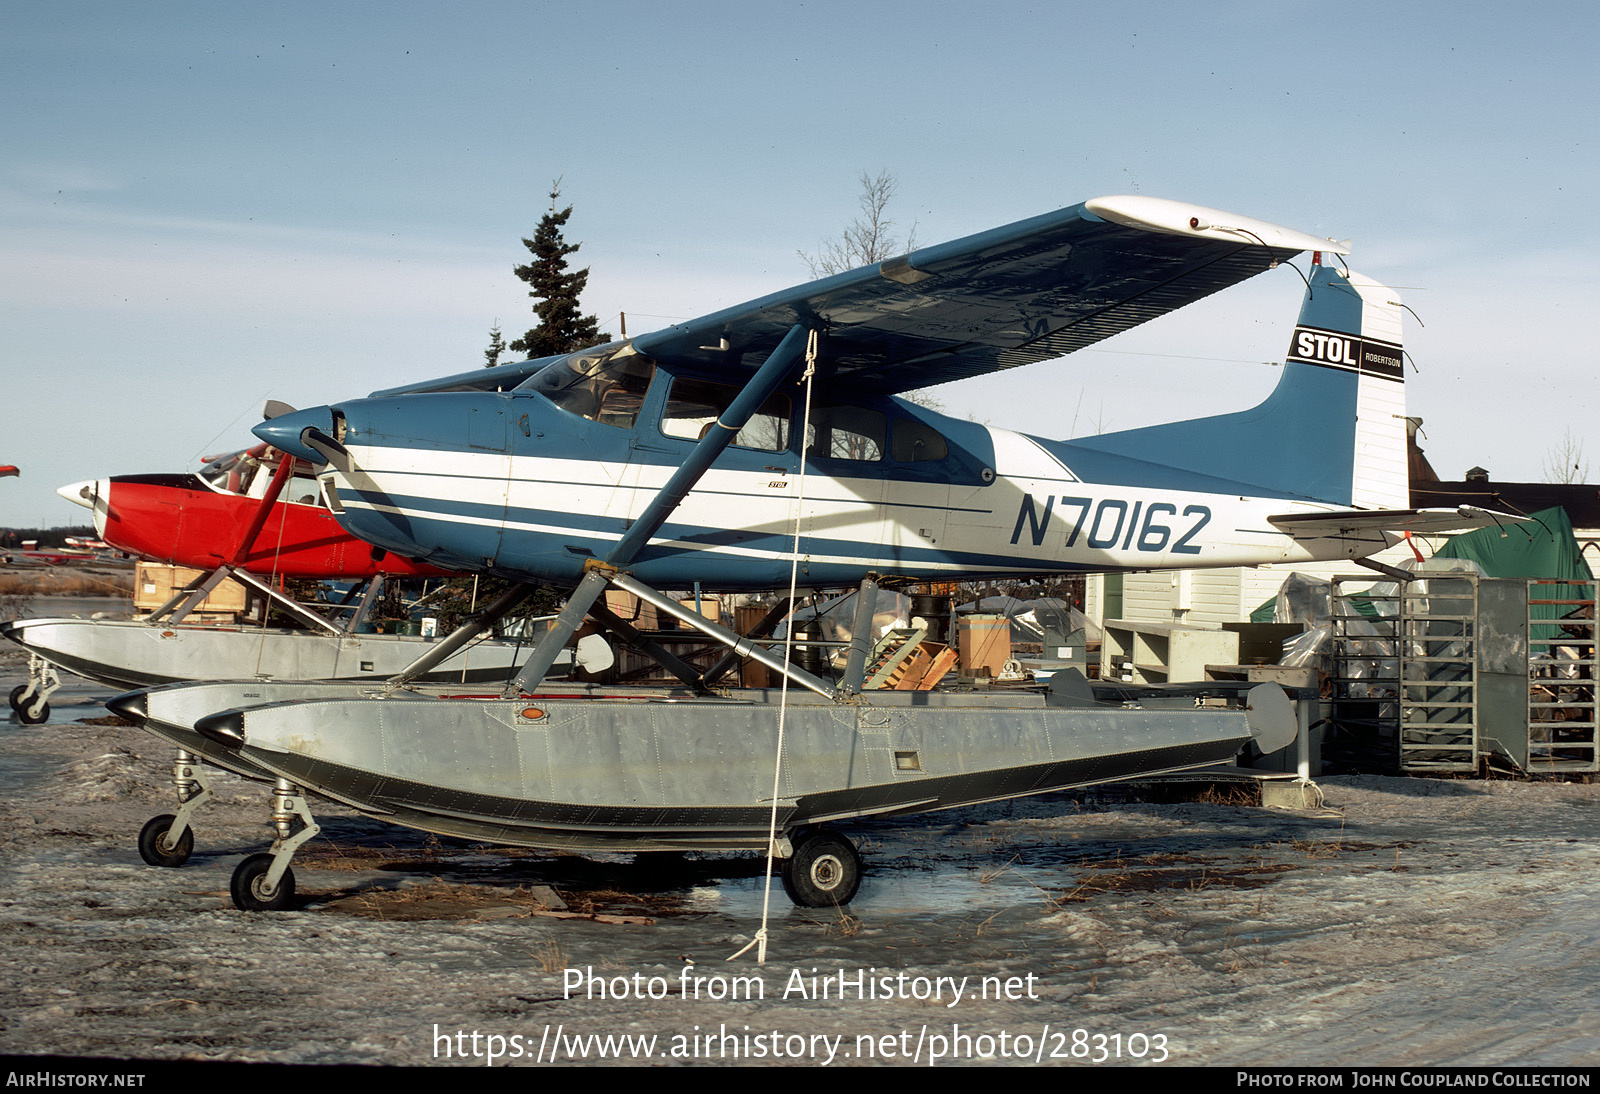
(706, 451)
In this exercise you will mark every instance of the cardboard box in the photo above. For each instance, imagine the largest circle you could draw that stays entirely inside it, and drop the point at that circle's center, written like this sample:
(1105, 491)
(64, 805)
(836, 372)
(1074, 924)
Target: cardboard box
(985, 644)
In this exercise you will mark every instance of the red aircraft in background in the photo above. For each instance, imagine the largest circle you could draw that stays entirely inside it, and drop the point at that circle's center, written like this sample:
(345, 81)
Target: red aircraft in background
(251, 510)
(251, 516)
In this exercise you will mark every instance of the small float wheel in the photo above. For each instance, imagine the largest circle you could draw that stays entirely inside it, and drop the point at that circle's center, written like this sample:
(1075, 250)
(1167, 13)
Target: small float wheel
(36, 713)
(16, 696)
(249, 881)
(153, 845)
(824, 870)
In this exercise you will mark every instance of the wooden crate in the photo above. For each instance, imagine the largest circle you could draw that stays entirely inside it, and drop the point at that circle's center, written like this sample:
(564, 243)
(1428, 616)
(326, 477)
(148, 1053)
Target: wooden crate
(155, 582)
(710, 607)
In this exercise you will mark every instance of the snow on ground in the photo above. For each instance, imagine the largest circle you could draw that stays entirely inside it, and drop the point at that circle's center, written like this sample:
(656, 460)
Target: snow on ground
(1407, 922)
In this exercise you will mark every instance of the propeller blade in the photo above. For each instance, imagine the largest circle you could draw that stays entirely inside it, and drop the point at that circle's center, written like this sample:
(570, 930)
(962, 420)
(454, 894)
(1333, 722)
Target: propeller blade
(336, 455)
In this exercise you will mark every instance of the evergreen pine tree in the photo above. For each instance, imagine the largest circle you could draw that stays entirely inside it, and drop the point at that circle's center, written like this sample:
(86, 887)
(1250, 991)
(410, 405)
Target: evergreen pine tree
(497, 346)
(562, 328)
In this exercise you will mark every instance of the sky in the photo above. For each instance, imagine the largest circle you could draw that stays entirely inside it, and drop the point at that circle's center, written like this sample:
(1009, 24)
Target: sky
(203, 206)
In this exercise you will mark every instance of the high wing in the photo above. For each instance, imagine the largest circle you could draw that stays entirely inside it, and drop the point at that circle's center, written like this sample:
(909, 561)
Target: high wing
(1029, 291)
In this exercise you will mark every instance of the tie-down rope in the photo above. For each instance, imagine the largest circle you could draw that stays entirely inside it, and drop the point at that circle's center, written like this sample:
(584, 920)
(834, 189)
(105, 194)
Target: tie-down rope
(760, 940)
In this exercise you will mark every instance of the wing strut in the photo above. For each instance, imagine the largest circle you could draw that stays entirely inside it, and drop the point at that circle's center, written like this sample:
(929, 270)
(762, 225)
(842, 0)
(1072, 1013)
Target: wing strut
(789, 353)
(727, 426)
(264, 509)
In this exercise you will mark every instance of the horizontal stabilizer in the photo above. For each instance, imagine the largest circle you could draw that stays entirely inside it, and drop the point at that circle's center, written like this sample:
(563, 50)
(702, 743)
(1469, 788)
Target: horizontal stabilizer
(1365, 524)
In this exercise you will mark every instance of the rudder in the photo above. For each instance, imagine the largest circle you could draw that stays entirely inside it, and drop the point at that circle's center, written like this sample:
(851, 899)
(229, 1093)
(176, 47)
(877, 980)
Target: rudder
(1333, 430)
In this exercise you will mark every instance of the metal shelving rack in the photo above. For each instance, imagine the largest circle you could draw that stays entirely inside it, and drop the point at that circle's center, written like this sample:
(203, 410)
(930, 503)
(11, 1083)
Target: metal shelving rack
(1438, 655)
(1363, 683)
(1562, 736)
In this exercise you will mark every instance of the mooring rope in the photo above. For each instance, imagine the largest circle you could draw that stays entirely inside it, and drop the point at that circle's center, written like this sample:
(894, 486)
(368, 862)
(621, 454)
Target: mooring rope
(760, 940)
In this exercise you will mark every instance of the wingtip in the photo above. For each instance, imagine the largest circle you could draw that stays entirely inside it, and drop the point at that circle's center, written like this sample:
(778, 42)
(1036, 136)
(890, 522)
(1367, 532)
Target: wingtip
(1153, 214)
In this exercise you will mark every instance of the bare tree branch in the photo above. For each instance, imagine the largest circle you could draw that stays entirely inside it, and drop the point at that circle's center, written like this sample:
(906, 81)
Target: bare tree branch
(866, 239)
(1565, 462)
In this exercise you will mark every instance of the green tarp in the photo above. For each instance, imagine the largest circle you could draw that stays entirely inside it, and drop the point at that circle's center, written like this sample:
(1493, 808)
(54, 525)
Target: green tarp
(1546, 548)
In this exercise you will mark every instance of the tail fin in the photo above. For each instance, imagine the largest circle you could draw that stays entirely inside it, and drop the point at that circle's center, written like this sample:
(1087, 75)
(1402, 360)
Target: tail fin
(1334, 428)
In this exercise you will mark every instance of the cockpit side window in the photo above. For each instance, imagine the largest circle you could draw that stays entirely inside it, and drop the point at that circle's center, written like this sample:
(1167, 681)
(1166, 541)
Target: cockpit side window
(606, 384)
(250, 473)
(693, 405)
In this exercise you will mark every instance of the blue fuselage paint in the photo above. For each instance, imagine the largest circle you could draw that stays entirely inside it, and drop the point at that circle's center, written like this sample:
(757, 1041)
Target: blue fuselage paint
(397, 504)
(542, 480)
(509, 483)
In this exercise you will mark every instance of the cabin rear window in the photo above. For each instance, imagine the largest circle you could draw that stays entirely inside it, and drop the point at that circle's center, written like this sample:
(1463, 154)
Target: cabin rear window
(915, 442)
(846, 433)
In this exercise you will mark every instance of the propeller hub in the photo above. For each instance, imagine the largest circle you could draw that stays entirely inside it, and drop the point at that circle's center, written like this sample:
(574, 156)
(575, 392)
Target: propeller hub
(287, 432)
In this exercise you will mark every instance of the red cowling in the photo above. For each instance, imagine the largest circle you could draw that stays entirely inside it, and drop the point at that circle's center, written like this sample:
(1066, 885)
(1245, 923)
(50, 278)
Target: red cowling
(201, 528)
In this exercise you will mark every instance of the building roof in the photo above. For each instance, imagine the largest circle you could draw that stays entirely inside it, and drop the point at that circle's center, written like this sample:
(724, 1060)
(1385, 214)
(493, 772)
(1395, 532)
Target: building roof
(1580, 500)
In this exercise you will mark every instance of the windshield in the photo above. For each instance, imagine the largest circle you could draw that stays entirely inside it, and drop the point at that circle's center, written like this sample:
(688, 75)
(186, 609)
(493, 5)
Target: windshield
(249, 474)
(605, 384)
(232, 473)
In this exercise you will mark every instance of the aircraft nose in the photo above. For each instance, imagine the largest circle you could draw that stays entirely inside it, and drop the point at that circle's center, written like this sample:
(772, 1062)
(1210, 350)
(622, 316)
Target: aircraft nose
(292, 432)
(84, 493)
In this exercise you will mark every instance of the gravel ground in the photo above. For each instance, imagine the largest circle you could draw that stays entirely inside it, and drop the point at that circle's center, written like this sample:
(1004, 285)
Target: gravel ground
(1404, 922)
